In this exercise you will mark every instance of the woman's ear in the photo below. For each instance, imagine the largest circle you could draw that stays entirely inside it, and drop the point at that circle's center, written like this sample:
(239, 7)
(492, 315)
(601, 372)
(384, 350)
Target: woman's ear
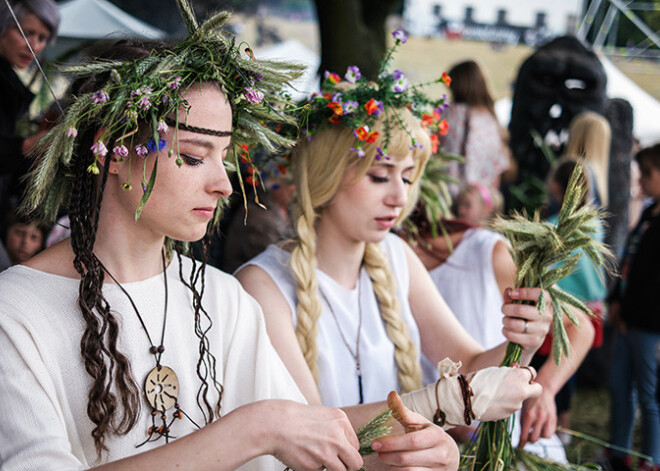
(114, 160)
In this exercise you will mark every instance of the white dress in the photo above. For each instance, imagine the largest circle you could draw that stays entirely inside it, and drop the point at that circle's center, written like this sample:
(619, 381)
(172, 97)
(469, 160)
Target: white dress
(338, 382)
(471, 264)
(44, 386)
(479, 308)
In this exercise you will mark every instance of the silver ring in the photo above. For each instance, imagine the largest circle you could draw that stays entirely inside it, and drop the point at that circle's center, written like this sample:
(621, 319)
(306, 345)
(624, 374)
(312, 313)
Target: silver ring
(525, 329)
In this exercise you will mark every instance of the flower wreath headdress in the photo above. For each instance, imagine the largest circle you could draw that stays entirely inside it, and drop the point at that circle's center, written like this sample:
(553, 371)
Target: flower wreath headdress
(150, 91)
(359, 104)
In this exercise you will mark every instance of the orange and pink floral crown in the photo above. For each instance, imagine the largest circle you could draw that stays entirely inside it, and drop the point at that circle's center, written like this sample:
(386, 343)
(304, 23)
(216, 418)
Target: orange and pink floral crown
(358, 105)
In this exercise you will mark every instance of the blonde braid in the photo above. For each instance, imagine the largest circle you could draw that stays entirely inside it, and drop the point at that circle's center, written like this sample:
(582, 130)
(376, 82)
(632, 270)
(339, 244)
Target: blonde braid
(303, 266)
(405, 352)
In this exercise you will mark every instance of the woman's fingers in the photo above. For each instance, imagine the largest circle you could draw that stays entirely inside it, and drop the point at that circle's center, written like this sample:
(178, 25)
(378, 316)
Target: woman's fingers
(423, 444)
(522, 322)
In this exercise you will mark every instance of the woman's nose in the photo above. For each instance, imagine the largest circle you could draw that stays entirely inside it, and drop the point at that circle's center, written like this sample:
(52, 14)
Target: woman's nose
(220, 183)
(398, 193)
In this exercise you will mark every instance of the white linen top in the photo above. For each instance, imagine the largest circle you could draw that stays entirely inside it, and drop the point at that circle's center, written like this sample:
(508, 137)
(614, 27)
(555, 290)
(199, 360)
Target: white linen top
(467, 283)
(338, 382)
(44, 386)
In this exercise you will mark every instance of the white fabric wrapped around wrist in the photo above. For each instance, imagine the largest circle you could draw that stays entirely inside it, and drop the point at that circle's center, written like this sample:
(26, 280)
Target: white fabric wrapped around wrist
(456, 399)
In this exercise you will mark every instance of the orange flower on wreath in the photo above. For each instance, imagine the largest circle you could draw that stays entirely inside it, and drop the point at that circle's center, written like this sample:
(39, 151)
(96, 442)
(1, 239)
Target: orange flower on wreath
(372, 137)
(335, 106)
(446, 79)
(429, 119)
(361, 133)
(371, 106)
(435, 143)
(332, 77)
(443, 127)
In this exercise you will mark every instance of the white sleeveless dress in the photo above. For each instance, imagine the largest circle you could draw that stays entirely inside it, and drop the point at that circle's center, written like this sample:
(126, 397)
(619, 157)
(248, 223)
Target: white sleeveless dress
(338, 381)
(471, 264)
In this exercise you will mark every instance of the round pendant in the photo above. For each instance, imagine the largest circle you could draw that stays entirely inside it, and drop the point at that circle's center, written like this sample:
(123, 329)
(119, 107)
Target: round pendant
(161, 388)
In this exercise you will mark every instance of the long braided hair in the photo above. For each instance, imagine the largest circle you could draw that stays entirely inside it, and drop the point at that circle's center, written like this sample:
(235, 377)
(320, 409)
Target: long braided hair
(114, 398)
(318, 167)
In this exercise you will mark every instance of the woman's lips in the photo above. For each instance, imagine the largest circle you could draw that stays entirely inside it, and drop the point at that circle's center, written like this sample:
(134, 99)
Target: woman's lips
(386, 222)
(204, 212)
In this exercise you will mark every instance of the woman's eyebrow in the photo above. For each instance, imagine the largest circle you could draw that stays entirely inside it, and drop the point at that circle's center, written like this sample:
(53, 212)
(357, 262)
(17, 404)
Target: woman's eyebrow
(197, 141)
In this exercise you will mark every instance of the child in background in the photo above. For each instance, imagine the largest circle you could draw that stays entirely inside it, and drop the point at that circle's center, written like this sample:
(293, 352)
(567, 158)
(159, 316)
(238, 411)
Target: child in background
(477, 203)
(24, 238)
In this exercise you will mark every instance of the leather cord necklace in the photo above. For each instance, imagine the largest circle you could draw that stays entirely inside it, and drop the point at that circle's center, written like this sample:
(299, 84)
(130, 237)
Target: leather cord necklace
(356, 354)
(161, 386)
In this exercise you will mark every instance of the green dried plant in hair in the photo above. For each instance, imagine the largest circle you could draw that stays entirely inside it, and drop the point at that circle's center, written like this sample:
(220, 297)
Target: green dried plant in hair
(544, 254)
(148, 94)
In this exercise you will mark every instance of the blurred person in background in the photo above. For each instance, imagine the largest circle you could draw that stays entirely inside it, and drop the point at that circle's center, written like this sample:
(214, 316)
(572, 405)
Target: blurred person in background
(39, 20)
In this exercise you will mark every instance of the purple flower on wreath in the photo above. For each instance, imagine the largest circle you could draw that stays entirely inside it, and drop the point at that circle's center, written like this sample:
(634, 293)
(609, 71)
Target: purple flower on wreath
(144, 103)
(100, 97)
(337, 97)
(350, 107)
(144, 186)
(151, 145)
(353, 74)
(99, 149)
(120, 151)
(400, 81)
(253, 95)
(72, 133)
(114, 75)
(443, 106)
(175, 83)
(307, 134)
(379, 109)
(142, 151)
(359, 151)
(400, 36)
(162, 127)
(381, 154)
(415, 146)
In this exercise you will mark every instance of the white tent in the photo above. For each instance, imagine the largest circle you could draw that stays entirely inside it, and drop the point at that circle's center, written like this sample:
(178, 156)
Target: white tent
(294, 51)
(96, 19)
(85, 21)
(646, 108)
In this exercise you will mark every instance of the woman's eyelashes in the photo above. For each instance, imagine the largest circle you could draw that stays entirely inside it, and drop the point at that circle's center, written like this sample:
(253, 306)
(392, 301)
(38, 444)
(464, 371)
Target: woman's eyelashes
(380, 179)
(190, 160)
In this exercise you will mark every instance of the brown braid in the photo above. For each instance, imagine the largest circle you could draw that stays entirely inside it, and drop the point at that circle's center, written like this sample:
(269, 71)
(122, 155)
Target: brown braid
(206, 364)
(98, 346)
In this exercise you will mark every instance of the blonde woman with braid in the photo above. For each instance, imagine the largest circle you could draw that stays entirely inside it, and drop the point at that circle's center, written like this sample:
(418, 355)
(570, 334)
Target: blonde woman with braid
(350, 309)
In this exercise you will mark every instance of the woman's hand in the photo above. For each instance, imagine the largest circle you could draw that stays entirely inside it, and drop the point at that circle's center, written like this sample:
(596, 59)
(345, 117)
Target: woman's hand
(518, 386)
(538, 418)
(523, 324)
(307, 438)
(423, 444)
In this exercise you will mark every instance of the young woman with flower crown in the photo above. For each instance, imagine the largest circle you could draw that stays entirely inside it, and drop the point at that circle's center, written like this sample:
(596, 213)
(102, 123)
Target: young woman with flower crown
(113, 345)
(350, 309)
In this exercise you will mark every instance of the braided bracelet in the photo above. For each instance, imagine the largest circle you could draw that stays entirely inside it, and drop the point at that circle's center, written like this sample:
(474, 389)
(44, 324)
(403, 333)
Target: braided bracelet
(467, 394)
